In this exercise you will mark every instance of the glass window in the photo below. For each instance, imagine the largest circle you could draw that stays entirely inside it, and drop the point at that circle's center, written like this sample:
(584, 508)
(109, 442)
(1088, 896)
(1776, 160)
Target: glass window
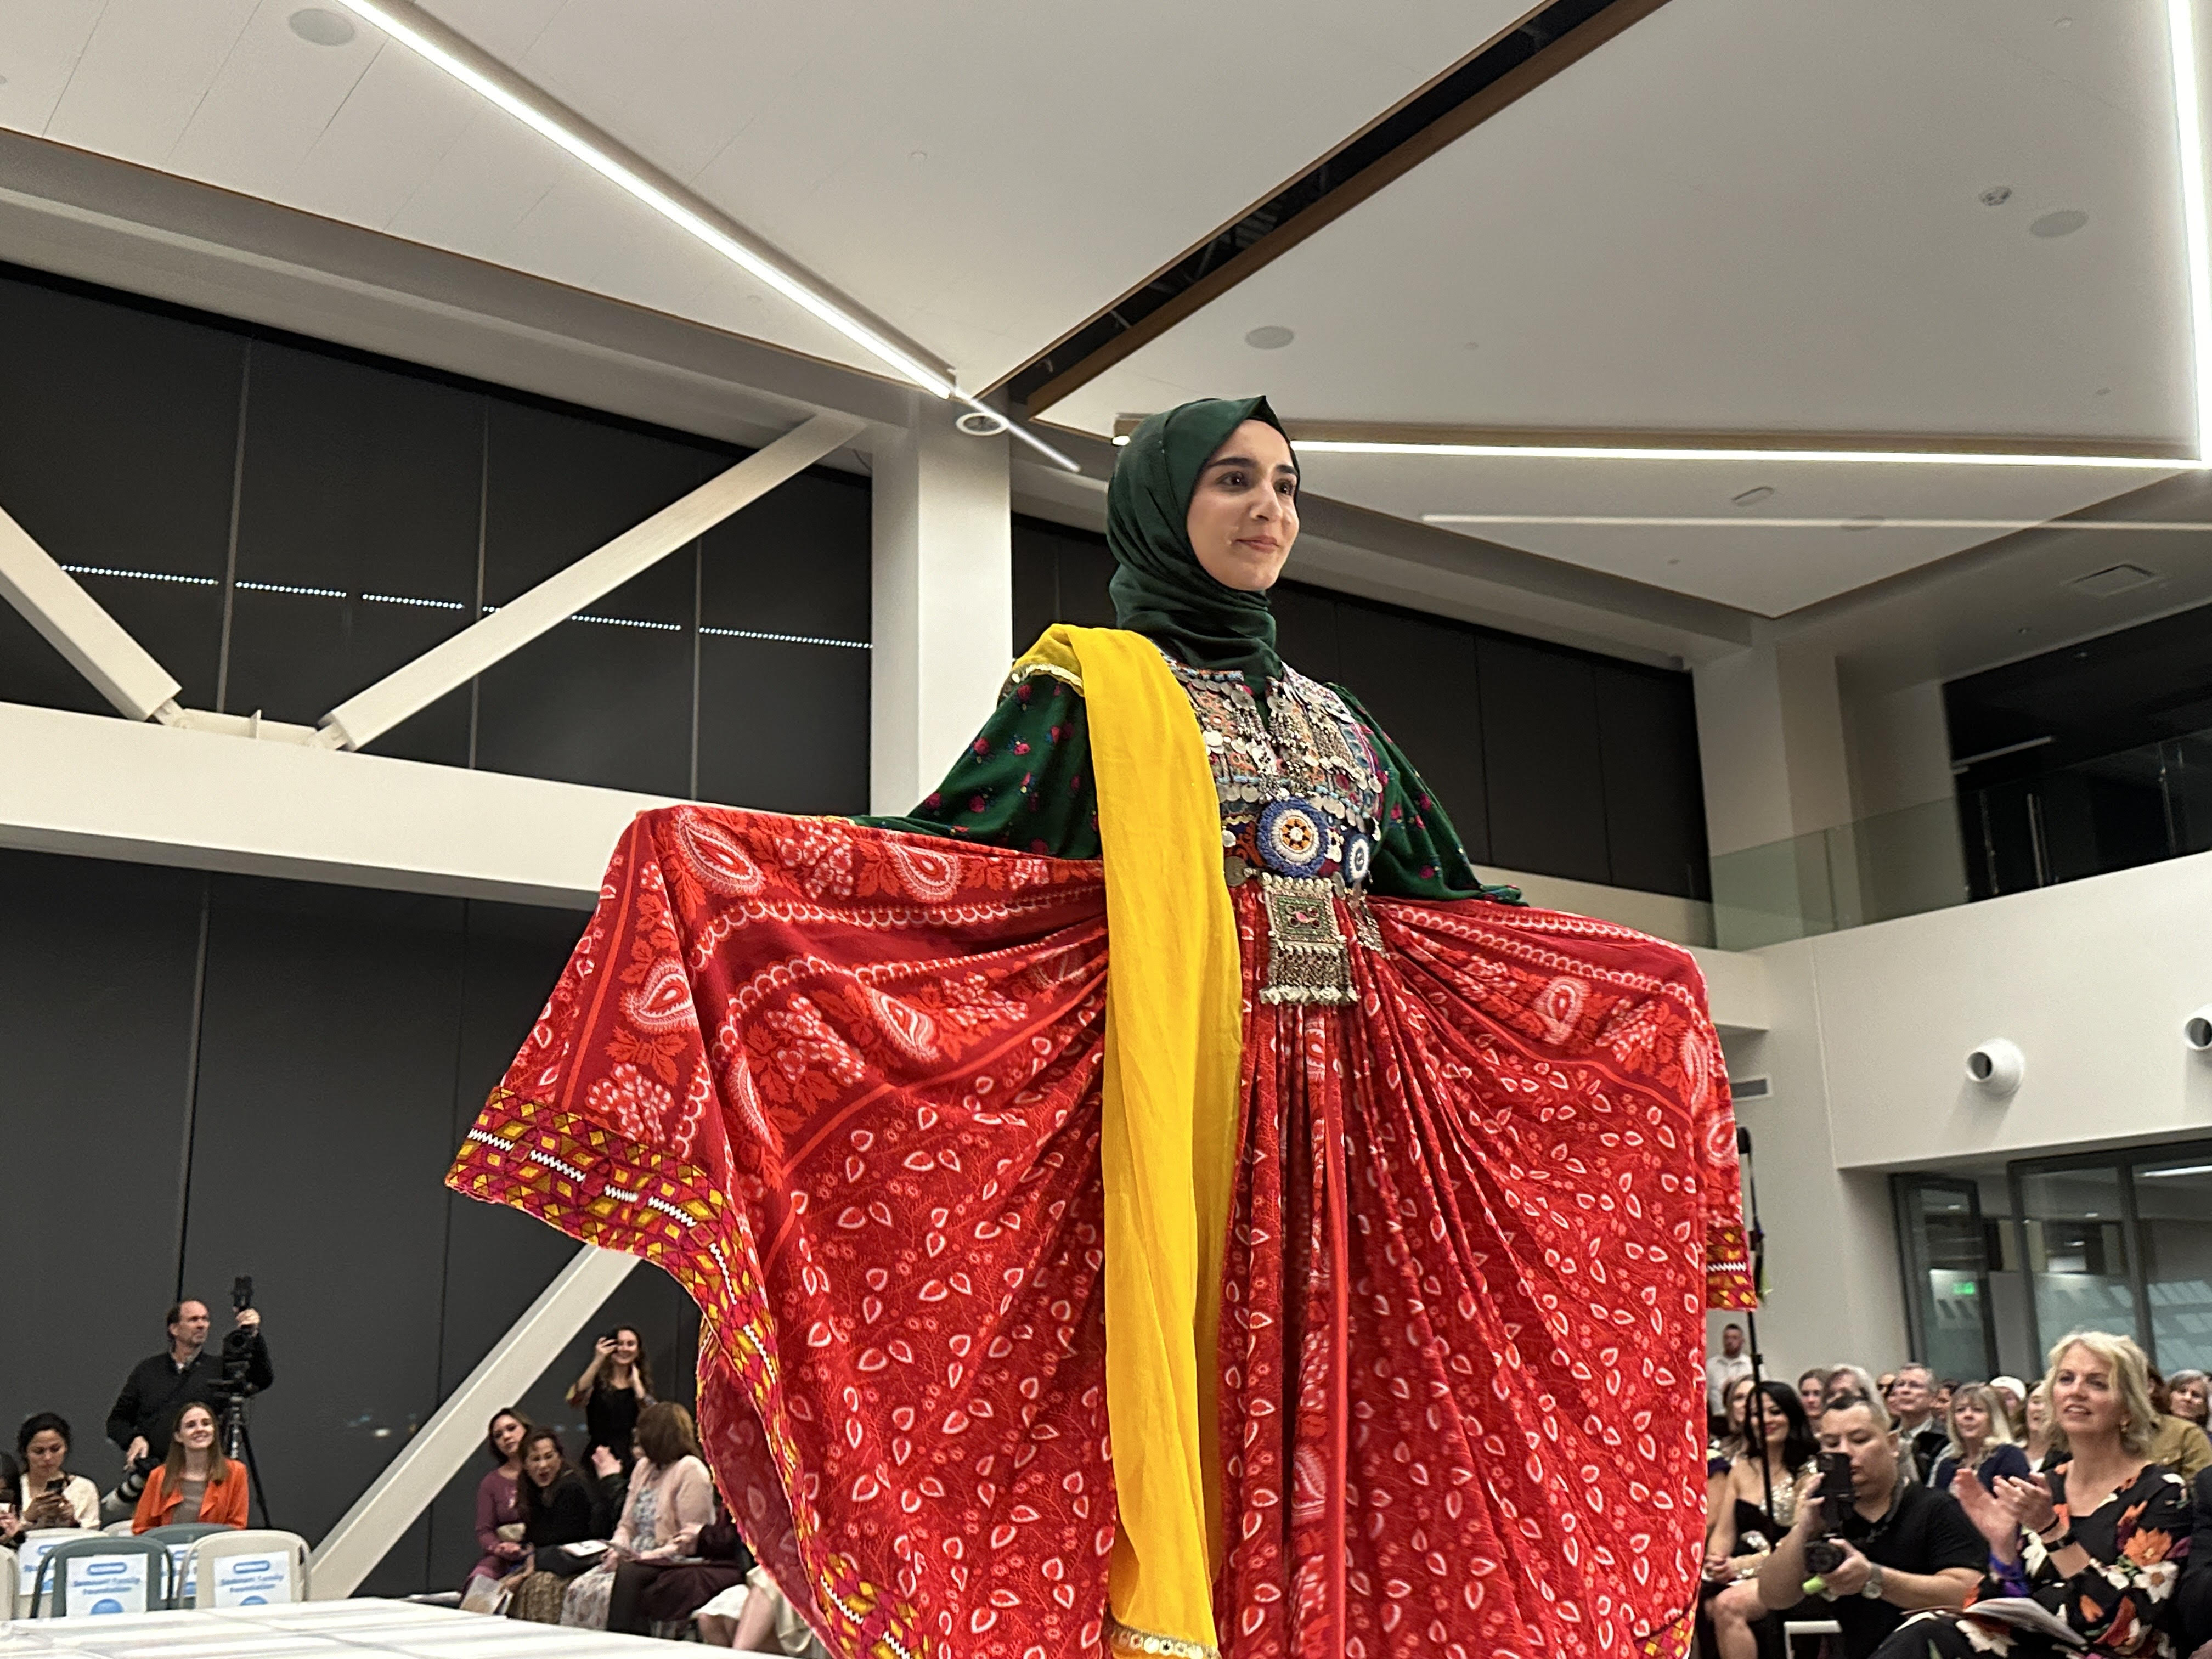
(2173, 1224)
(2073, 1224)
(1947, 1274)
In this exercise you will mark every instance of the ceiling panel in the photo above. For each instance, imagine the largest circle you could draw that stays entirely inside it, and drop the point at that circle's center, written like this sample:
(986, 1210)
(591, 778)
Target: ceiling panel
(1741, 216)
(985, 177)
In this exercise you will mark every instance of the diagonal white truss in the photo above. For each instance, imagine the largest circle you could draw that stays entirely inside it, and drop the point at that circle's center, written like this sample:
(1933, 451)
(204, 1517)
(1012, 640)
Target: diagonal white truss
(365, 1532)
(127, 675)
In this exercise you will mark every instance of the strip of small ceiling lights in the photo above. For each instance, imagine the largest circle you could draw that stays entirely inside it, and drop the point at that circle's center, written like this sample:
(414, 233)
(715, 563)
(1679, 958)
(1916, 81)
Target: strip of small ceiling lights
(476, 69)
(1752, 521)
(2197, 225)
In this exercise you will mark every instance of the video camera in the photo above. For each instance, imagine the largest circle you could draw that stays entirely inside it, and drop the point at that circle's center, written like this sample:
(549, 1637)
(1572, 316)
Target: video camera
(1824, 1553)
(237, 1351)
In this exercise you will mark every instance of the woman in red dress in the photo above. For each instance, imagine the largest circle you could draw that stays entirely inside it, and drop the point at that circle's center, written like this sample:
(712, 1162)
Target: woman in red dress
(1377, 1210)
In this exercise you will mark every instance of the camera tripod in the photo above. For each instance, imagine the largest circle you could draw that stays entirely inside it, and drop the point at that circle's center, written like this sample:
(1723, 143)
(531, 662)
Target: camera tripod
(237, 1445)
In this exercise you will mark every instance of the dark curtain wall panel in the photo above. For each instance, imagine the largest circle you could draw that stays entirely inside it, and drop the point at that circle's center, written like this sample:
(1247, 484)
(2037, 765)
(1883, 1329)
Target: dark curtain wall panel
(357, 539)
(283, 522)
(118, 437)
(96, 987)
(1547, 760)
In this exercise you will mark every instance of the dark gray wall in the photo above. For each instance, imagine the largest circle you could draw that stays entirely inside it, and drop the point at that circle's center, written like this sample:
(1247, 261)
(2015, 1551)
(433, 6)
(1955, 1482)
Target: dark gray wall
(281, 524)
(210, 1076)
(1557, 762)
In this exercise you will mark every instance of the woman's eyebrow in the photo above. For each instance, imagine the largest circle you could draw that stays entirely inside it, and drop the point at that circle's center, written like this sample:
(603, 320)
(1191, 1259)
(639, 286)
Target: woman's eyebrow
(1232, 460)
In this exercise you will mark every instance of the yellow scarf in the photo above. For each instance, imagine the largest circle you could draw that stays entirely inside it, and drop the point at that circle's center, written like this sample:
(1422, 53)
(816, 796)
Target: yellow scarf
(1174, 1035)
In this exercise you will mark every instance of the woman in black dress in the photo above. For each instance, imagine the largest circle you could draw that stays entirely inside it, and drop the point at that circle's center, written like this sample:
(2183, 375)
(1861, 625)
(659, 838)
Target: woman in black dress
(615, 1387)
(2097, 1543)
(1751, 1506)
(561, 1505)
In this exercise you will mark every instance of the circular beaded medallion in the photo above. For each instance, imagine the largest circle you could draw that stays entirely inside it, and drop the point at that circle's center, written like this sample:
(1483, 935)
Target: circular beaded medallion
(1358, 859)
(1292, 841)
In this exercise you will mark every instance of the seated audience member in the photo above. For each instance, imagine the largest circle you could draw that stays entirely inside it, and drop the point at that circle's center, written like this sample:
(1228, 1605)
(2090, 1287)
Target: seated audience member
(1752, 1506)
(678, 1590)
(2037, 1415)
(499, 1512)
(2094, 1543)
(52, 1497)
(1920, 1432)
(754, 1616)
(560, 1506)
(2180, 1445)
(2013, 1393)
(1853, 1380)
(11, 1500)
(671, 1498)
(1981, 1440)
(2190, 1395)
(1729, 1444)
(1903, 1546)
(1813, 1392)
(194, 1483)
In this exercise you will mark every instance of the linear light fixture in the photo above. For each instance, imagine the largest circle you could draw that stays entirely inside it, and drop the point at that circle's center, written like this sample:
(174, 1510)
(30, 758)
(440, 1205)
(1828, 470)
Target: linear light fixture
(435, 44)
(2197, 224)
(1606, 520)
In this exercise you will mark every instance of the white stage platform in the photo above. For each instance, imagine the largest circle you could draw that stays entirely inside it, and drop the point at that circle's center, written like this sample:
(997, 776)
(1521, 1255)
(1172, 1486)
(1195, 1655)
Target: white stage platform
(316, 1630)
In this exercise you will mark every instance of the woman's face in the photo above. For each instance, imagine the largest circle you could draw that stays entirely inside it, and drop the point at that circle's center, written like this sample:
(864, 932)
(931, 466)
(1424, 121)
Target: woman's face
(1811, 1394)
(1739, 1396)
(2191, 1398)
(543, 1463)
(196, 1428)
(507, 1434)
(626, 1347)
(1971, 1422)
(1776, 1424)
(2038, 1412)
(44, 1455)
(2086, 1393)
(1243, 515)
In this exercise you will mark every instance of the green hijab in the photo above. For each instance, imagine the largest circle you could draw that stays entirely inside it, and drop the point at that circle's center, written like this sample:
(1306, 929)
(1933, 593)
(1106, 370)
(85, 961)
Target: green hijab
(1159, 588)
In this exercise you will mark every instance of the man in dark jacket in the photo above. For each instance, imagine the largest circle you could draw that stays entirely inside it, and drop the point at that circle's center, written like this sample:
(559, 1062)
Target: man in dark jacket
(163, 1385)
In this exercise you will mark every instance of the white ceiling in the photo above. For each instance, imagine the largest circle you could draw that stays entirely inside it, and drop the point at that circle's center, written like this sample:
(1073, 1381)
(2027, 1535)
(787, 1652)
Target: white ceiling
(984, 179)
(1736, 216)
(1740, 216)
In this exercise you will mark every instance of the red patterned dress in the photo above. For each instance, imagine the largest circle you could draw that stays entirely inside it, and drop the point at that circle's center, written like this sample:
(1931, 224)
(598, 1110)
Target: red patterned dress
(843, 1083)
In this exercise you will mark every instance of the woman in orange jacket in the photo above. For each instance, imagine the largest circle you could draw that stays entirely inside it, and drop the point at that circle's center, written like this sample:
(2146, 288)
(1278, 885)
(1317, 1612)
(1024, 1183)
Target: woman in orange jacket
(197, 1482)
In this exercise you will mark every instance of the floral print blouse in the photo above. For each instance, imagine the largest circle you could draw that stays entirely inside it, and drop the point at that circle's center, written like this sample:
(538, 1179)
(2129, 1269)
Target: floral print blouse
(2138, 1539)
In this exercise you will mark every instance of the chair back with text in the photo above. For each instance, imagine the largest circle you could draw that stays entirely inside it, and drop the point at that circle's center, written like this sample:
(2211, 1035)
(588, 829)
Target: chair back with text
(247, 1569)
(31, 1549)
(180, 1539)
(95, 1574)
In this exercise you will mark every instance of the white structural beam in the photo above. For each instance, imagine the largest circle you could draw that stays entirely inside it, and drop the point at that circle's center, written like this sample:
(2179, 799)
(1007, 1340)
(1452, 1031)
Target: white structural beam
(362, 718)
(439, 1449)
(102, 788)
(943, 601)
(74, 623)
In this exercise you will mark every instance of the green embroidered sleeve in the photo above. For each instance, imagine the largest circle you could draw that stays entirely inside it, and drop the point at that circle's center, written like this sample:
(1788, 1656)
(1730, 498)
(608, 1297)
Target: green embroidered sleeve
(1024, 782)
(1420, 855)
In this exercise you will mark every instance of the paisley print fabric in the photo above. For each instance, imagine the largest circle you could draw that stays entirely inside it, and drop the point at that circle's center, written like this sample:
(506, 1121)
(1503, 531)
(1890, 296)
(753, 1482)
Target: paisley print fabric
(842, 1083)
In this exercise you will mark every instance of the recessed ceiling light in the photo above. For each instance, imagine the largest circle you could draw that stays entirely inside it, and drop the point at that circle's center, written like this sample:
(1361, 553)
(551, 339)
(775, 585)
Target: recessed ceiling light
(2065, 23)
(1754, 495)
(917, 155)
(1996, 196)
(2114, 579)
(2064, 222)
(1269, 337)
(319, 28)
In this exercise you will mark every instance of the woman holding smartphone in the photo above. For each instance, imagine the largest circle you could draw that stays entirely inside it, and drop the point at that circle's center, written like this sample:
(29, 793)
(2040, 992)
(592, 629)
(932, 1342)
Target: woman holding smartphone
(615, 1387)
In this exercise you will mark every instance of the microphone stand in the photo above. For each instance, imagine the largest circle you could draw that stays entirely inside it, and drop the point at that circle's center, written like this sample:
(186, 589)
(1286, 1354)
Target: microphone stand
(1756, 1407)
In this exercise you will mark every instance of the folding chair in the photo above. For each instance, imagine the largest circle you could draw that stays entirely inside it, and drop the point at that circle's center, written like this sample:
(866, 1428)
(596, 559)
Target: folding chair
(102, 1575)
(247, 1569)
(179, 1538)
(1794, 1628)
(31, 1549)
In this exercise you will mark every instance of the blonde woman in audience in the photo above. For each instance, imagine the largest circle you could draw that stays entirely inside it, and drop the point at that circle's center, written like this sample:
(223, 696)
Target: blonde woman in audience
(671, 1497)
(2012, 1394)
(2036, 1411)
(1981, 1440)
(2096, 1543)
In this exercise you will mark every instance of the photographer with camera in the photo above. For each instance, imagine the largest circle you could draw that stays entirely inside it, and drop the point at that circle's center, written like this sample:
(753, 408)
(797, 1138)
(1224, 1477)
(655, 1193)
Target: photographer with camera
(160, 1386)
(1871, 1545)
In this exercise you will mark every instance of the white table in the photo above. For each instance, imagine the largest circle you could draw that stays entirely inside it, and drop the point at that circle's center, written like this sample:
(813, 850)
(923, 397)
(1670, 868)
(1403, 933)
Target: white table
(312, 1629)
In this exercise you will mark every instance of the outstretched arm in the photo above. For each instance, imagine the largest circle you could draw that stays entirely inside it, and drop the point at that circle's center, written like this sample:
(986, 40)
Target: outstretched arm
(1024, 782)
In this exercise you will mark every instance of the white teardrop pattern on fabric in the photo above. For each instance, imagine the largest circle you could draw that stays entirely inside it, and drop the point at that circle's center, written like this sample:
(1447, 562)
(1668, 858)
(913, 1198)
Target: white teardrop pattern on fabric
(712, 854)
(911, 1031)
(662, 1002)
(1561, 1007)
(930, 877)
